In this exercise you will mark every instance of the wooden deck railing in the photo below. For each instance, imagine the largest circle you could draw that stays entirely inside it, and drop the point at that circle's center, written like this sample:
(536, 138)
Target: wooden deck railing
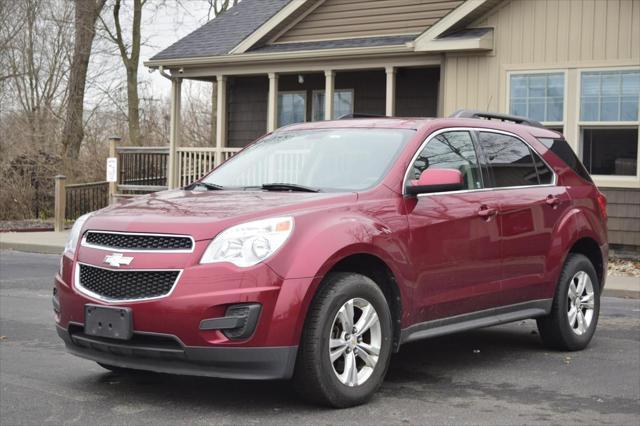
(140, 170)
(84, 198)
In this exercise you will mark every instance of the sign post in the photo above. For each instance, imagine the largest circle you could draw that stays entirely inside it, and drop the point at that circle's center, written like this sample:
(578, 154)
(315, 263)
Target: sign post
(112, 168)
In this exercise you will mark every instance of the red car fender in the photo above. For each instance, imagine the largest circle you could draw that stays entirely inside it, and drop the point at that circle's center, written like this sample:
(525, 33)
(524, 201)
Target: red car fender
(306, 262)
(576, 224)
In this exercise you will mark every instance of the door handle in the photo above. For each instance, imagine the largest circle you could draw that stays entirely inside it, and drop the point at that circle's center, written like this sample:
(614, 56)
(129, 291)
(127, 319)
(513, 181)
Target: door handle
(552, 201)
(487, 212)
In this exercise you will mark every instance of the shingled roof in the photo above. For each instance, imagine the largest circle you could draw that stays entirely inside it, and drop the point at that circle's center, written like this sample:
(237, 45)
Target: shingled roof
(220, 35)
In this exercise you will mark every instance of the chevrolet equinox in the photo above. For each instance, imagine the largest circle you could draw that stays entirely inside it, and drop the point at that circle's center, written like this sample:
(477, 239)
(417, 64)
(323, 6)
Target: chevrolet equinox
(320, 249)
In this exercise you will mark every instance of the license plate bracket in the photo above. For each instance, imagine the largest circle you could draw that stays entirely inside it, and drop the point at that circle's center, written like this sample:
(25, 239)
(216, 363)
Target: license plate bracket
(109, 322)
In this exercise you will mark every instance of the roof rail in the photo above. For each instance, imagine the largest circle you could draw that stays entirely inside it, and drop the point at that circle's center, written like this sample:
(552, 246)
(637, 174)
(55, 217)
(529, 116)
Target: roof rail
(470, 113)
(360, 115)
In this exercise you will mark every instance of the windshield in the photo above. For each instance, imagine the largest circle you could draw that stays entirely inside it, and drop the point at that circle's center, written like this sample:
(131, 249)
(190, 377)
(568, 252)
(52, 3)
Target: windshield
(326, 160)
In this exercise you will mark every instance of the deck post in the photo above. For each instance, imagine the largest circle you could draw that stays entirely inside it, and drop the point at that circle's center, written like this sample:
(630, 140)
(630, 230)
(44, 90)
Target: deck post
(174, 132)
(272, 110)
(221, 117)
(113, 186)
(390, 101)
(60, 200)
(329, 89)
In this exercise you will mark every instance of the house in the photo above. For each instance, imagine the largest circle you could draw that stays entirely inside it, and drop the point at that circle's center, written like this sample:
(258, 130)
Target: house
(573, 65)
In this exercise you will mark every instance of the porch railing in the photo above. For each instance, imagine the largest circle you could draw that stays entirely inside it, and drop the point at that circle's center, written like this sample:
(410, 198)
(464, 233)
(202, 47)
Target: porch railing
(140, 170)
(193, 163)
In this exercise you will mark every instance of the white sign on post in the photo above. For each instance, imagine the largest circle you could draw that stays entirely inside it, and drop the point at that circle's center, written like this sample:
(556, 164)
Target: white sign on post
(112, 169)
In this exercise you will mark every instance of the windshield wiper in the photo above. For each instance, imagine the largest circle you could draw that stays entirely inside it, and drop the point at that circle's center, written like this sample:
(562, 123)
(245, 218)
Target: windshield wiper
(209, 186)
(287, 187)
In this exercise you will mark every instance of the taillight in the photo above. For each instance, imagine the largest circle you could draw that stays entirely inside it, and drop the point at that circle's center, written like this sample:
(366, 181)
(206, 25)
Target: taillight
(602, 203)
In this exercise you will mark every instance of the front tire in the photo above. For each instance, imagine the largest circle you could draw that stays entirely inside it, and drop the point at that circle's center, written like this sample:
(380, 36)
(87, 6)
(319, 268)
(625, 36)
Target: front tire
(576, 307)
(346, 342)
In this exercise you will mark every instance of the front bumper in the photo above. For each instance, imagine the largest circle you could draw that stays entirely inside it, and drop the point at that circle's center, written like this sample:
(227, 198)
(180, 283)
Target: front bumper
(181, 333)
(166, 354)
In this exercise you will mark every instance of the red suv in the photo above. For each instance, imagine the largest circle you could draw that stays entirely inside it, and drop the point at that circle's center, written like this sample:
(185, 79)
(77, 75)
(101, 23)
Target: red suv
(323, 247)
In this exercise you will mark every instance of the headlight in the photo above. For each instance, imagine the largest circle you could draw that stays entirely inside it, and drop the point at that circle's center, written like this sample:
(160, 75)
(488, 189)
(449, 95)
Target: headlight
(72, 242)
(249, 243)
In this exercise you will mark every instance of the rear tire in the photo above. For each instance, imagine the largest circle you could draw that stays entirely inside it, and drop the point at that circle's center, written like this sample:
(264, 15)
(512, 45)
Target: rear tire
(576, 307)
(336, 366)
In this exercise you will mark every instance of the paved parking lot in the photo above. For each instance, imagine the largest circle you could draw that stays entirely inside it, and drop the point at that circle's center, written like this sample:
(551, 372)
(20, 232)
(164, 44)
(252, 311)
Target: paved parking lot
(500, 375)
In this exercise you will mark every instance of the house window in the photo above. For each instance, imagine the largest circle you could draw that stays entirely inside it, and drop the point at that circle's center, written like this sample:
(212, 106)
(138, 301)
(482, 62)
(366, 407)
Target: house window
(342, 104)
(609, 95)
(538, 96)
(610, 151)
(292, 107)
(609, 121)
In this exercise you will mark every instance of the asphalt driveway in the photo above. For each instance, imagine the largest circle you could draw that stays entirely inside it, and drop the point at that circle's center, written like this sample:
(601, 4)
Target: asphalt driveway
(499, 375)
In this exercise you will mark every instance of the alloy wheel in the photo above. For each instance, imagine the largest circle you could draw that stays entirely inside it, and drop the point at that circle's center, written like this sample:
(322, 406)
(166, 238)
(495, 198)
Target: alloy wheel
(580, 303)
(354, 342)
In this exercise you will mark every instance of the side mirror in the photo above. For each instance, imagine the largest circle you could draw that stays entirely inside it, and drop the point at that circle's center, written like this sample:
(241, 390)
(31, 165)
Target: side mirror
(436, 180)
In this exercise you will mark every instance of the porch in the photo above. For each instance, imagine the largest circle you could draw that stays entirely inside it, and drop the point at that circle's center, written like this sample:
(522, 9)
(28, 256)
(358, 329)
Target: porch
(252, 102)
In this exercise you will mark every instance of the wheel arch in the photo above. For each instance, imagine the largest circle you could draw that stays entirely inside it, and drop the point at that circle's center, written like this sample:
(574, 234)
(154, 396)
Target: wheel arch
(588, 247)
(379, 272)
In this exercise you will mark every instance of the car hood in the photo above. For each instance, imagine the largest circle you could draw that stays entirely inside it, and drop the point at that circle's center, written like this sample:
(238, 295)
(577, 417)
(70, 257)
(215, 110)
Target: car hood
(203, 214)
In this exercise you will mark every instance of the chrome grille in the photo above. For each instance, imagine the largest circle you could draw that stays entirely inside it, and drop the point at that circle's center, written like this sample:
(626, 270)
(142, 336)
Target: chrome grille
(146, 242)
(108, 284)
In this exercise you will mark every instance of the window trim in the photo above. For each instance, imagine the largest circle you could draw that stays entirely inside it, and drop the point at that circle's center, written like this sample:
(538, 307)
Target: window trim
(619, 181)
(472, 130)
(565, 92)
(313, 105)
(293, 92)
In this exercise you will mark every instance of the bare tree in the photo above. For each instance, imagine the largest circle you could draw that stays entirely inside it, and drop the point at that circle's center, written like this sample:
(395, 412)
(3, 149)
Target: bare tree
(218, 7)
(86, 13)
(35, 51)
(130, 55)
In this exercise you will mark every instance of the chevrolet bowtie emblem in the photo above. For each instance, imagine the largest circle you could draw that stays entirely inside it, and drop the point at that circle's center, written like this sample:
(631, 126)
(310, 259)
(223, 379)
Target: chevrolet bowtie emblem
(117, 259)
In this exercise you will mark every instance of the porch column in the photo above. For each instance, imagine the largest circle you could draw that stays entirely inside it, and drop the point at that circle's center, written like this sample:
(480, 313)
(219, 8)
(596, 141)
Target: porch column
(390, 103)
(221, 118)
(174, 131)
(272, 109)
(329, 89)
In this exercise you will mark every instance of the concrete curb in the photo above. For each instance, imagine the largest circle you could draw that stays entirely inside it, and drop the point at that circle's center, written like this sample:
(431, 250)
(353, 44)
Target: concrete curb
(46, 242)
(32, 248)
(625, 294)
(628, 287)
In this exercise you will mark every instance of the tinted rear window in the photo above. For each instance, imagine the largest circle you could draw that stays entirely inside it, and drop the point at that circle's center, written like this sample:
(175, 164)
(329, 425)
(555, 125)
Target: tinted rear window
(561, 148)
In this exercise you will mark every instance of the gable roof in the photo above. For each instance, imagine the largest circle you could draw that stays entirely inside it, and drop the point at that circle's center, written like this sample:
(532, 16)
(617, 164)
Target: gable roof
(341, 19)
(223, 33)
(256, 27)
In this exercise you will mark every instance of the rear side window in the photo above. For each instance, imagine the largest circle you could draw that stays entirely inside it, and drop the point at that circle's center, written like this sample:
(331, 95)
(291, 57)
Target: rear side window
(561, 148)
(511, 162)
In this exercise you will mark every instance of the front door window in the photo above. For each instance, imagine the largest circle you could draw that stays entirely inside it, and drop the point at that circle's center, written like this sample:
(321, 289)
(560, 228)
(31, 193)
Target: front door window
(292, 107)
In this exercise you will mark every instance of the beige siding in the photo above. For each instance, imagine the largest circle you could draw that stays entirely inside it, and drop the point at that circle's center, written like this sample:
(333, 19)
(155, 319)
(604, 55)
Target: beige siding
(536, 34)
(623, 209)
(339, 19)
